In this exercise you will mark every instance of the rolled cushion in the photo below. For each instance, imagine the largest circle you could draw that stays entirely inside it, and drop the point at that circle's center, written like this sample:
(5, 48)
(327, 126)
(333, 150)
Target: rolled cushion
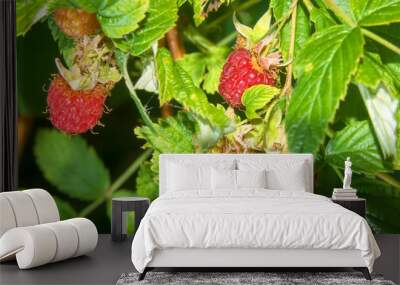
(33, 246)
(45, 205)
(23, 208)
(40, 244)
(7, 218)
(26, 208)
(87, 235)
(66, 238)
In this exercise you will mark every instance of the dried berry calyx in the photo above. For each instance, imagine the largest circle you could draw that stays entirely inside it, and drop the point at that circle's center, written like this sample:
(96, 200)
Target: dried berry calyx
(93, 63)
(255, 60)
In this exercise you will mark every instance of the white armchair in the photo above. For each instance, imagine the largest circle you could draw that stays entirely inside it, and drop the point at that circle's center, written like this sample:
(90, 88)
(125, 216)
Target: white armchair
(31, 230)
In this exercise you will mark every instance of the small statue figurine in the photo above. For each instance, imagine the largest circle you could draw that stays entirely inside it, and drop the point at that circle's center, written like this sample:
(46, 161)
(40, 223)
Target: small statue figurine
(347, 174)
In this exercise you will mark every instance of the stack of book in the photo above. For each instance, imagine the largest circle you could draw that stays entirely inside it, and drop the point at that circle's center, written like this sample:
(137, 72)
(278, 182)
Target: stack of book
(344, 194)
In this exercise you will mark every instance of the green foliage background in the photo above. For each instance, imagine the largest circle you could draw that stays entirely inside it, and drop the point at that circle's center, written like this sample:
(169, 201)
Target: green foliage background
(344, 98)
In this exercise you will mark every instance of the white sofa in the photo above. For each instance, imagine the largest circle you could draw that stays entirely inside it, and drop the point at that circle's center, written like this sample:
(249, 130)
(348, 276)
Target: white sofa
(31, 231)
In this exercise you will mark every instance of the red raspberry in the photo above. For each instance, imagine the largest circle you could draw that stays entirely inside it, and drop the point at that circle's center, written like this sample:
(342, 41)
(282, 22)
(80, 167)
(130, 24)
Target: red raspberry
(74, 112)
(238, 74)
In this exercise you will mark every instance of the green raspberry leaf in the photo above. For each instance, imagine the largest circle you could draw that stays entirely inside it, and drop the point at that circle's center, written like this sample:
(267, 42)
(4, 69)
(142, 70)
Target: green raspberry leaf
(376, 12)
(382, 108)
(371, 72)
(390, 59)
(257, 97)
(280, 8)
(171, 135)
(175, 83)
(90, 6)
(324, 69)
(379, 94)
(121, 17)
(65, 209)
(195, 65)
(162, 16)
(396, 161)
(382, 208)
(342, 9)
(321, 19)
(65, 44)
(215, 61)
(71, 165)
(29, 12)
(356, 141)
(205, 68)
(147, 182)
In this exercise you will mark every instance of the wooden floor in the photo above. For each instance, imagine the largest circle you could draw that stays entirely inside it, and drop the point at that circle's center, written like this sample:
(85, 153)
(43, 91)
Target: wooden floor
(110, 260)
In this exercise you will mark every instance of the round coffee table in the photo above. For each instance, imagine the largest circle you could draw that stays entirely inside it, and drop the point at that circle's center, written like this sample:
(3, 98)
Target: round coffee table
(120, 207)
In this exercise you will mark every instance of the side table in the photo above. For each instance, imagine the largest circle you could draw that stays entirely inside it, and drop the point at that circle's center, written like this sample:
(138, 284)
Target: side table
(356, 205)
(120, 207)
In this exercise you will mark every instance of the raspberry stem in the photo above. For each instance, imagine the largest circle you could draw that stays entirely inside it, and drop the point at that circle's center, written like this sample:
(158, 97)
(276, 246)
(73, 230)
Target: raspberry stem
(198, 39)
(340, 13)
(381, 40)
(175, 44)
(281, 22)
(287, 88)
(117, 183)
(389, 179)
(138, 103)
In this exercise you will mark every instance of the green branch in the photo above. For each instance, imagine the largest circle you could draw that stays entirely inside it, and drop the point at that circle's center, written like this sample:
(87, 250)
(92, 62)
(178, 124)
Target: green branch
(279, 24)
(338, 173)
(340, 13)
(347, 20)
(134, 96)
(309, 5)
(130, 170)
(287, 88)
(381, 40)
(226, 40)
(389, 179)
(198, 39)
(117, 183)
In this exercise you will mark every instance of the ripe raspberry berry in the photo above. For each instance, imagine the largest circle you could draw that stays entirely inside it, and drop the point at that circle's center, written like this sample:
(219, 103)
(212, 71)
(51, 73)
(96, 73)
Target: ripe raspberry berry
(76, 23)
(239, 73)
(75, 112)
(76, 95)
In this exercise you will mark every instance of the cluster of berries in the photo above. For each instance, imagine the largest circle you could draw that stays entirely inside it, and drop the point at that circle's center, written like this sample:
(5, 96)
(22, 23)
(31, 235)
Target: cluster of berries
(76, 96)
